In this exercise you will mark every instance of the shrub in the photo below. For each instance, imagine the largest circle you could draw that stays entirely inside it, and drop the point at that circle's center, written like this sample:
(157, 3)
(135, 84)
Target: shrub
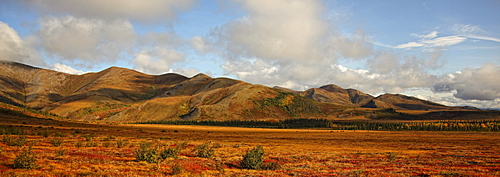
(25, 160)
(106, 144)
(392, 156)
(88, 137)
(11, 141)
(253, 158)
(177, 169)
(204, 150)
(170, 152)
(79, 144)
(146, 152)
(11, 130)
(91, 144)
(182, 145)
(56, 142)
(121, 143)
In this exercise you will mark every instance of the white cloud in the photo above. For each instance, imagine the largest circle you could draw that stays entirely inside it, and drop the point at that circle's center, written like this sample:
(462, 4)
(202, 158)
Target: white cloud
(409, 45)
(94, 40)
(480, 83)
(432, 41)
(156, 61)
(14, 48)
(278, 30)
(200, 45)
(67, 69)
(137, 10)
(482, 38)
(443, 41)
(286, 31)
(431, 35)
(286, 43)
(189, 72)
(158, 52)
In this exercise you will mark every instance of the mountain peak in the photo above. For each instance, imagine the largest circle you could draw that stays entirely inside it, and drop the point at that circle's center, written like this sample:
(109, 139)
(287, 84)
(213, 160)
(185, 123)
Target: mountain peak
(201, 75)
(333, 88)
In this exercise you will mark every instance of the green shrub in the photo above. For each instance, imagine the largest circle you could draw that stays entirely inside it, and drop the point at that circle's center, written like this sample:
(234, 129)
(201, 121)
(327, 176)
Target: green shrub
(147, 152)
(11, 130)
(204, 150)
(253, 158)
(25, 160)
(170, 152)
(11, 141)
(56, 142)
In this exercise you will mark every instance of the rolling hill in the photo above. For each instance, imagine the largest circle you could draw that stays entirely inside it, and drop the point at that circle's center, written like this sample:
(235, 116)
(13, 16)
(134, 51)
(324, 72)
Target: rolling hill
(124, 95)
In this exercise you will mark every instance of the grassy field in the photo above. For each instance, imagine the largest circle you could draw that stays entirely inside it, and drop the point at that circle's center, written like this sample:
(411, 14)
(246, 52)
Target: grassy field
(73, 149)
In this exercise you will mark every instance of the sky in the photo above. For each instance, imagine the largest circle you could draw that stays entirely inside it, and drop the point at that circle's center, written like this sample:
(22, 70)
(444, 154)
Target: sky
(445, 51)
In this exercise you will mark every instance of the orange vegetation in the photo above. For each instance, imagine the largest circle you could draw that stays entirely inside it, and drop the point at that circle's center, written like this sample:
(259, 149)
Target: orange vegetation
(110, 150)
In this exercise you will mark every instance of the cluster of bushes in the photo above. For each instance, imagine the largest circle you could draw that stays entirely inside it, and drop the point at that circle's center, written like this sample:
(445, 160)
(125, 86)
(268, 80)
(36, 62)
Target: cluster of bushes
(151, 153)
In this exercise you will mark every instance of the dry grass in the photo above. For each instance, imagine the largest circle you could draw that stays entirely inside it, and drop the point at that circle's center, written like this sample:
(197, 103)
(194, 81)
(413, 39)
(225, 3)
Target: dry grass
(298, 152)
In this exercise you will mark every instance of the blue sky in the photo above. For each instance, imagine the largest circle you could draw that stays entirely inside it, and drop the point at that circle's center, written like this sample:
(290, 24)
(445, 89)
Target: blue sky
(443, 51)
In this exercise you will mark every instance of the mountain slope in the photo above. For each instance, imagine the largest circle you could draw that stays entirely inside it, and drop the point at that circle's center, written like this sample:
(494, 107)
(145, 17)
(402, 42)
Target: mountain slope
(124, 95)
(119, 94)
(354, 98)
(403, 102)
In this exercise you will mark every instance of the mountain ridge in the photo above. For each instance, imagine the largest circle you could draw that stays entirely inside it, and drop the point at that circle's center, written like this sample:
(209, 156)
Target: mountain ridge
(125, 95)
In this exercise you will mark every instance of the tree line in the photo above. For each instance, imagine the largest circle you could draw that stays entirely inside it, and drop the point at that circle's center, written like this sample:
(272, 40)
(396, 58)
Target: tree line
(449, 125)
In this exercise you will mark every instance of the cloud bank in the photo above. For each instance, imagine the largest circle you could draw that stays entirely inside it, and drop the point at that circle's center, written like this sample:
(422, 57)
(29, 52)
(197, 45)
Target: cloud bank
(137, 10)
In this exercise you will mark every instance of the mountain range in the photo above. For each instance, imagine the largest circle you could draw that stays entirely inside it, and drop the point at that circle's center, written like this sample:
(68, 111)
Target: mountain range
(124, 95)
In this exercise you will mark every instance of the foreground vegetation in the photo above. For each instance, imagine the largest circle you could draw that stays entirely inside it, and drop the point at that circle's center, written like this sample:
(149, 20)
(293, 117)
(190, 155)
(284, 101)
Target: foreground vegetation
(163, 150)
(455, 125)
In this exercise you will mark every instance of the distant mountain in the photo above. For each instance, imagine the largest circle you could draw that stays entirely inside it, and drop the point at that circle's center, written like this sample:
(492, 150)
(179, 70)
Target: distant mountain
(124, 95)
(354, 98)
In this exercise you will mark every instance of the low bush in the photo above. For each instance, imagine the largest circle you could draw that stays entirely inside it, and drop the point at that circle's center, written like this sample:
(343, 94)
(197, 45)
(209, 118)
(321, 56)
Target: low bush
(204, 150)
(253, 159)
(14, 140)
(25, 160)
(147, 152)
(56, 142)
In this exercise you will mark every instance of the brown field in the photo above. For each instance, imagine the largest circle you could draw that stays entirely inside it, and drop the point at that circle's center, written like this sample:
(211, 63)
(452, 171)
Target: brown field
(92, 150)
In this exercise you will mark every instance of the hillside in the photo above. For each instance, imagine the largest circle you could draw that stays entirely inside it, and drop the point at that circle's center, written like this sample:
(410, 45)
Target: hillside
(124, 95)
